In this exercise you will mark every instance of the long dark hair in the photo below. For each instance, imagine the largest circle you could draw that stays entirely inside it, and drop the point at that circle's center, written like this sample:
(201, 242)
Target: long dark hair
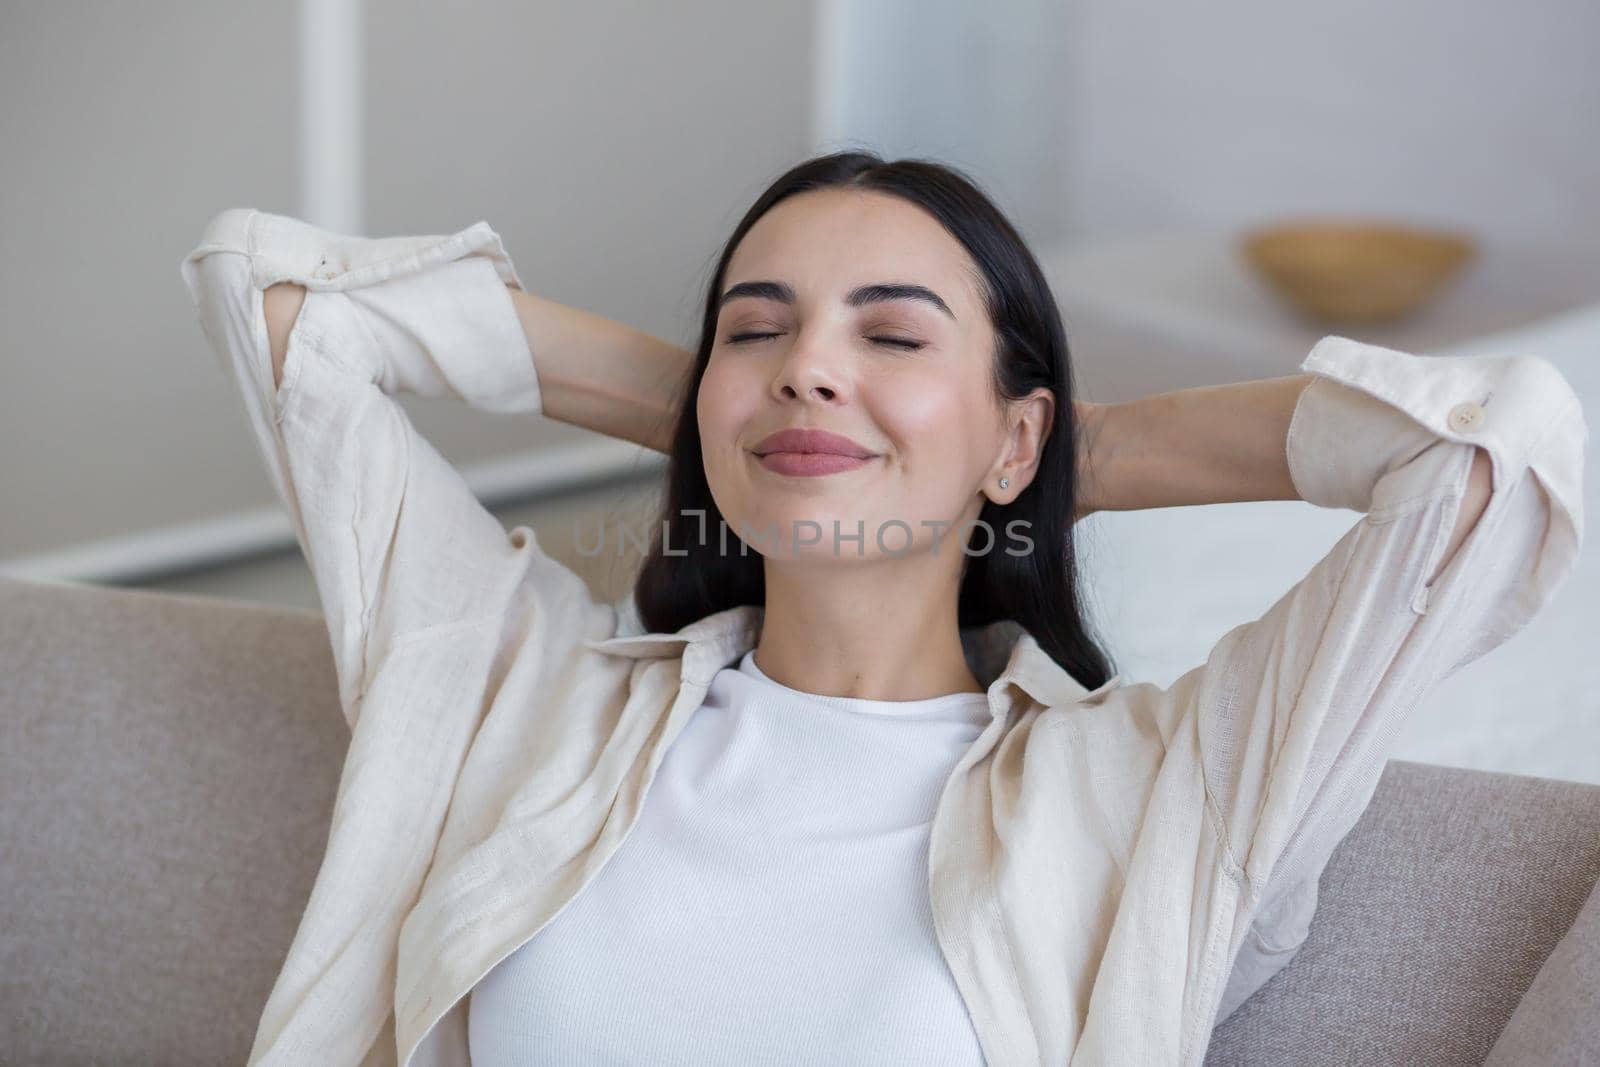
(1037, 589)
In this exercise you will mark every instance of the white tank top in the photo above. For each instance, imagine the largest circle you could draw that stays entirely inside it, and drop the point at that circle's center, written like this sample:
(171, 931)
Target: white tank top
(770, 906)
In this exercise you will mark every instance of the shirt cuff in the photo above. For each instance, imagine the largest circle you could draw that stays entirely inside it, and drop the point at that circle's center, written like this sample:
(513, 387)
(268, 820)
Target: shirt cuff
(452, 329)
(1371, 409)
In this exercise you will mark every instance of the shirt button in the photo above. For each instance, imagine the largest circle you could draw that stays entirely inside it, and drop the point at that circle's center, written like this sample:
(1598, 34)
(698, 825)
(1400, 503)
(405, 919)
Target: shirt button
(1466, 417)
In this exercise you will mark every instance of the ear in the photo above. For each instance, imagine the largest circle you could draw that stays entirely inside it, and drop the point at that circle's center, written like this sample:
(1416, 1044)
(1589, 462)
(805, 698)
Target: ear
(1031, 419)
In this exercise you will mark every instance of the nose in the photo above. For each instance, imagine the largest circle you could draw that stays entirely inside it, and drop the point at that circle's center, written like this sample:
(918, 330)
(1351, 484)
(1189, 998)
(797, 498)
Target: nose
(810, 370)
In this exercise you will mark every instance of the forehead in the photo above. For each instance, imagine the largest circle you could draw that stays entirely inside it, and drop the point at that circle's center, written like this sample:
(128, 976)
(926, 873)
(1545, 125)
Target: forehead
(828, 241)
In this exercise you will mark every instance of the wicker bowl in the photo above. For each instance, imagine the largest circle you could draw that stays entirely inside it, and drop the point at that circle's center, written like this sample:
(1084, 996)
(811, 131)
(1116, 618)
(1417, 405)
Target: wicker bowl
(1347, 272)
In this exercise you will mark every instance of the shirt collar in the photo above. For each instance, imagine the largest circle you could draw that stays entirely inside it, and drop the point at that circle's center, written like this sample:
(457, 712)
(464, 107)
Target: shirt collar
(1002, 654)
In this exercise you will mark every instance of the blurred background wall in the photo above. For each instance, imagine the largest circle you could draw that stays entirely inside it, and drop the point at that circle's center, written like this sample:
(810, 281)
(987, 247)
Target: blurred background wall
(613, 145)
(1475, 114)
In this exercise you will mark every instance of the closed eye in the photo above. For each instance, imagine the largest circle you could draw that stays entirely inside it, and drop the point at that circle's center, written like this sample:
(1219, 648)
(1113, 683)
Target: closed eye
(912, 346)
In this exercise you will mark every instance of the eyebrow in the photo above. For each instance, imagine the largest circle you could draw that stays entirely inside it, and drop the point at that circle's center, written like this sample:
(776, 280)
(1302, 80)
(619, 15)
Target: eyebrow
(858, 297)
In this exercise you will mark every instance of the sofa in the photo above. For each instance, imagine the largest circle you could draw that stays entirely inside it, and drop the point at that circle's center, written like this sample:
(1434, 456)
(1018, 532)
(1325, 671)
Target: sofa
(168, 765)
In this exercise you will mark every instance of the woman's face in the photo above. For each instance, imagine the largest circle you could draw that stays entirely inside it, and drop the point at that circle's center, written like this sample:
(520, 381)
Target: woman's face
(806, 339)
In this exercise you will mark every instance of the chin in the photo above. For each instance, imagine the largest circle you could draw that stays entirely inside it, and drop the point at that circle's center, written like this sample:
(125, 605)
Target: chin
(787, 533)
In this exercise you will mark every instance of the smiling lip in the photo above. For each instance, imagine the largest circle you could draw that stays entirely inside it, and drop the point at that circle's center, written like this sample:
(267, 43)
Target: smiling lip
(808, 452)
(800, 440)
(811, 462)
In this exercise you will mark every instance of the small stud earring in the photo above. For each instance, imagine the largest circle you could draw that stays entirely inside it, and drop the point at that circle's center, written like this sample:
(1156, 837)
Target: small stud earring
(1004, 482)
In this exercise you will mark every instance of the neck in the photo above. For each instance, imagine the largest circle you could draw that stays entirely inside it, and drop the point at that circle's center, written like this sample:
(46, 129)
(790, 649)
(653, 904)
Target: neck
(874, 630)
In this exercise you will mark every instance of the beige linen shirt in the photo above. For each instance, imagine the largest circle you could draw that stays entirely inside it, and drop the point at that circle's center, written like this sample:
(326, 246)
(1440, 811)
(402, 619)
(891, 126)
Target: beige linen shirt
(1110, 871)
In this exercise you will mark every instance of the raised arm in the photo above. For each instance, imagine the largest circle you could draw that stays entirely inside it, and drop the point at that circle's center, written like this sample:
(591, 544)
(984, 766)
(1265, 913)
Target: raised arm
(1226, 444)
(601, 374)
(321, 333)
(1291, 717)
(594, 372)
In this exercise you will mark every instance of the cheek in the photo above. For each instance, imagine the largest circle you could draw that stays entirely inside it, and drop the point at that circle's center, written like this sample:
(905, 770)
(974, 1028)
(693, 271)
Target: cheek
(717, 406)
(940, 427)
(727, 400)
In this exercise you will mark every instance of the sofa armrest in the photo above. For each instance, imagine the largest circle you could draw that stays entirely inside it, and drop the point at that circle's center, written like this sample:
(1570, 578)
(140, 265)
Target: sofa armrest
(1557, 1020)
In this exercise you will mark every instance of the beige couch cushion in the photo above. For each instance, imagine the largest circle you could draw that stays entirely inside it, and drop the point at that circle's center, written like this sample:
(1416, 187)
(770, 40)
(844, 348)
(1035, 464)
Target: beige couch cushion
(167, 768)
(1433, 917)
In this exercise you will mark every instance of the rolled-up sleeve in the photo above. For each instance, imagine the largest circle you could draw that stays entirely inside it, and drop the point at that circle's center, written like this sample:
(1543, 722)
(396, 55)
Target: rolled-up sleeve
(398, 544)
(1297, 710)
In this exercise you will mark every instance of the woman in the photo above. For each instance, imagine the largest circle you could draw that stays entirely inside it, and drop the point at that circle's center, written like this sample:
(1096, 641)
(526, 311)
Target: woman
(866, 790)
